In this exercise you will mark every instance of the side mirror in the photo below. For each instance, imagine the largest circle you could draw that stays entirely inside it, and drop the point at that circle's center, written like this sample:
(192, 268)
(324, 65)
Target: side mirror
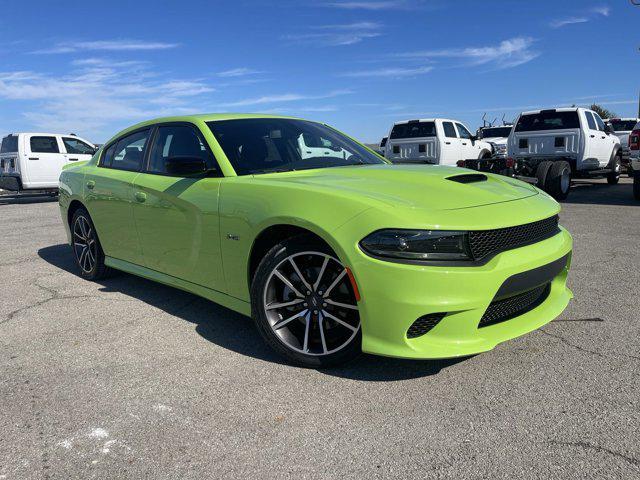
(473, 139)
(185, 165)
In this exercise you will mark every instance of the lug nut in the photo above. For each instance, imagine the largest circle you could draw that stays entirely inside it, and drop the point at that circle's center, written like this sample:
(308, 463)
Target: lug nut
(305, 304)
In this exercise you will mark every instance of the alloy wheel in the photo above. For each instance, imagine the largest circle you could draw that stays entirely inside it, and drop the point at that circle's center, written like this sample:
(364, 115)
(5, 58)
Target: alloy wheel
(84, 244)
(310, 304)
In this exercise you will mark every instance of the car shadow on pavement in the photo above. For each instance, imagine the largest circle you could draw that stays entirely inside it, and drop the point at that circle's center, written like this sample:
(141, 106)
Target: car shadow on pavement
(233, 331)
(594, 193)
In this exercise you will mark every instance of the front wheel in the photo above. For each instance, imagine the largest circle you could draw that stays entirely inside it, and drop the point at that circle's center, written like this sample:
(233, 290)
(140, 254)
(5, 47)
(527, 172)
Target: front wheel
(304, 306)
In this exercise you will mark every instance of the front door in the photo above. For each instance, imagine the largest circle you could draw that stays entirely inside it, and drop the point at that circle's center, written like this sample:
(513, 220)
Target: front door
(110, 196)
(44, 160)
(450, 145)
(177, 215)
(76, 149)
(604, 142)
(467, 148)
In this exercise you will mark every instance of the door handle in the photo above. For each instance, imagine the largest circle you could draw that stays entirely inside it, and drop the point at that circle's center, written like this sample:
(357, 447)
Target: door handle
(34, 158)
(592, 136)
(463, 143)
(603, 137)
(73, 159)
(140, 197)
(91, 184)
(447, 143)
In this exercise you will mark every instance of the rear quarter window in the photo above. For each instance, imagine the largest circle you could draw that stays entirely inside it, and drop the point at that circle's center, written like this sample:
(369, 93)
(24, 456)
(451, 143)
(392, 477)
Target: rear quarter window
(547, 121)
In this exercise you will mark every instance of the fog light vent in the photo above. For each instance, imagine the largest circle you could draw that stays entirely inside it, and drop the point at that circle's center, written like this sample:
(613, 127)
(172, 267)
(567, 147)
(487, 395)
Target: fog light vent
(424, 324)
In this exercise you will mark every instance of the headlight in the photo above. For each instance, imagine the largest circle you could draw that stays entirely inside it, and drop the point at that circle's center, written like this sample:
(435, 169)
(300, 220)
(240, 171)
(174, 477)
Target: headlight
(417, 244)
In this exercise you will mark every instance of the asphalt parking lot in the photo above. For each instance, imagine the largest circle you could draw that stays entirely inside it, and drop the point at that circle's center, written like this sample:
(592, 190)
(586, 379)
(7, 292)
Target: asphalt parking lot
(128, 378)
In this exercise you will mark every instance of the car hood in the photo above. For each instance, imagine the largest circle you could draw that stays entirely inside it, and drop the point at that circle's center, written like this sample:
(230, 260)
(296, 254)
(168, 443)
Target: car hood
(413, 186)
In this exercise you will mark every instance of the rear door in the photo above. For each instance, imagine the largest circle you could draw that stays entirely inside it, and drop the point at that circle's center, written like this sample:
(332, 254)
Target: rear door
(76, 149)
(450, 145)
(177, 216)
(110, 196)
(605, 142)
(592, 144)
(44, 160)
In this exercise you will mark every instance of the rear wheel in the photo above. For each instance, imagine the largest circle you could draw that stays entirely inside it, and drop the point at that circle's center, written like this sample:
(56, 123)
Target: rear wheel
(86, 246)
(541, 174)
(636, 185)
(558, 180)
(304, 306)
(614, 176)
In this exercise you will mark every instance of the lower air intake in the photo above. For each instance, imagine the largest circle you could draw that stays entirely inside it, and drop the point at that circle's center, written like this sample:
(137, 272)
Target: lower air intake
(511, 307)
(424, 324)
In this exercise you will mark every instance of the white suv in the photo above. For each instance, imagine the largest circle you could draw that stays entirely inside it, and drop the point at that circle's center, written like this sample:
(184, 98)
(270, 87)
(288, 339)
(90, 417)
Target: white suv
(438, 141)
(33, 161)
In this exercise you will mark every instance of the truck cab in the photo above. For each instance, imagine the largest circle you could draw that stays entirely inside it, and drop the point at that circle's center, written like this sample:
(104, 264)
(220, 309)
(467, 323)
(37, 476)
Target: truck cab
(437, 141)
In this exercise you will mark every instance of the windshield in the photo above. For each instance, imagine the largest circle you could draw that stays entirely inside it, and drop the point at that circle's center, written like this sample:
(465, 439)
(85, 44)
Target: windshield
(495, 132)
(547, 120)
(263, 145)
(622, 125)
(9, 144)
(413, 129)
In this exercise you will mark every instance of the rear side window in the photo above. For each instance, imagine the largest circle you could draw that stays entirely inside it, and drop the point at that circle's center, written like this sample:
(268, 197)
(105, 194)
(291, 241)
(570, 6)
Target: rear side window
(130, 151)
(449, 130)
(9, 144)
(413, 130)
(73, 145)
(590, 121)
(464, 133)
(175, 144)
(547, 120)
(44, 145)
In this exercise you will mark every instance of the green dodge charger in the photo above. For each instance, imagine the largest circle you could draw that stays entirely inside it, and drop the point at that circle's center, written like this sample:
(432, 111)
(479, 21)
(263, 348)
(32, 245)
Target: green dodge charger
(328, 247)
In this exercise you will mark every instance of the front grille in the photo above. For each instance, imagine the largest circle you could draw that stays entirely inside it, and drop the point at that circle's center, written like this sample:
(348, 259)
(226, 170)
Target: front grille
(424, 324)
(510, 307)
(487, 242)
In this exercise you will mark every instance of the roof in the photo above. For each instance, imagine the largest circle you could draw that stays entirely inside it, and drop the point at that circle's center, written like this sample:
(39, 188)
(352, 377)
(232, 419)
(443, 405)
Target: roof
(559, 109)
(426, 120)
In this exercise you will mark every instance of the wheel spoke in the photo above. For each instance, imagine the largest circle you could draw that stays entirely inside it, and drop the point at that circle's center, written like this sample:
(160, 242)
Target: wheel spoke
(335, 282)
(305, 346)
(321, 328)
(286, 281)
(272, 306)
(322, 269)
(282, 323)
(341, 305)
(299, 273)
(341, 322)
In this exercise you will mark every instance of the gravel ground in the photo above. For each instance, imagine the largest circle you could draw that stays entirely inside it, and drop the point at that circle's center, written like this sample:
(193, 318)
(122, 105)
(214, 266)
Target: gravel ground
(129, 379)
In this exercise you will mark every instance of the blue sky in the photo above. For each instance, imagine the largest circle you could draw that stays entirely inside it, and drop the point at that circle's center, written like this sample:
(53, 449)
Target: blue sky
(94, 68)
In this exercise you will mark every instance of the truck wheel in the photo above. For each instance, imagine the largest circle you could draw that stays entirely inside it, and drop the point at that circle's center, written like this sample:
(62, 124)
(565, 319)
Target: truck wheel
(541, 174)
(614, 176)
(636, 185)
(559, 180)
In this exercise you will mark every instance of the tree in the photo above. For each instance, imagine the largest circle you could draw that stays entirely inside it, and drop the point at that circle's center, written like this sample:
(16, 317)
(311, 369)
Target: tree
(603, 112)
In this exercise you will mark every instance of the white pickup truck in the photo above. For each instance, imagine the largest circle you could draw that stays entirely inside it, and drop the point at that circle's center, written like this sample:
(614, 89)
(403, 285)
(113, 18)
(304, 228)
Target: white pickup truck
(550, 147)
(32, 162)
(437, 141)
(622, 128)
(497, 137)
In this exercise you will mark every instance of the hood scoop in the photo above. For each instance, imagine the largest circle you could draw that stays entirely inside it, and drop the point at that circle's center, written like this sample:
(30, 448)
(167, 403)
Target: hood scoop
(468, 178)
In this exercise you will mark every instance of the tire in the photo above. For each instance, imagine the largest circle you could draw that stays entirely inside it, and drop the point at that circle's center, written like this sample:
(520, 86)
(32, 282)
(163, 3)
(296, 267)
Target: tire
(86, 247)
(558, 180)
(541, 174)
(324, 336)
(614, 176)
(484, 155)
(636, 185)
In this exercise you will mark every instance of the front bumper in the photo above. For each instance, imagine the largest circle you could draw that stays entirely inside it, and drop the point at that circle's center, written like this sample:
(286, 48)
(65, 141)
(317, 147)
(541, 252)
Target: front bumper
(394, 295)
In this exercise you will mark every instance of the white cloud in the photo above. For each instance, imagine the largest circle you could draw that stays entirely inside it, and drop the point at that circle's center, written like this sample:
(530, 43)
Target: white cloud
(238, 72)
(388, 72)
(105, 45)
(373, 5)
(603, 10)
(561, 22)
(285, 97)
(96, 97)
(508, 53)
(337, 35)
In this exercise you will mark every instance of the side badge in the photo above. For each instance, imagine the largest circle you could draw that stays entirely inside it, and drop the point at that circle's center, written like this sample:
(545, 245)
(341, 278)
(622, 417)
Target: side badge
(232, 236)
